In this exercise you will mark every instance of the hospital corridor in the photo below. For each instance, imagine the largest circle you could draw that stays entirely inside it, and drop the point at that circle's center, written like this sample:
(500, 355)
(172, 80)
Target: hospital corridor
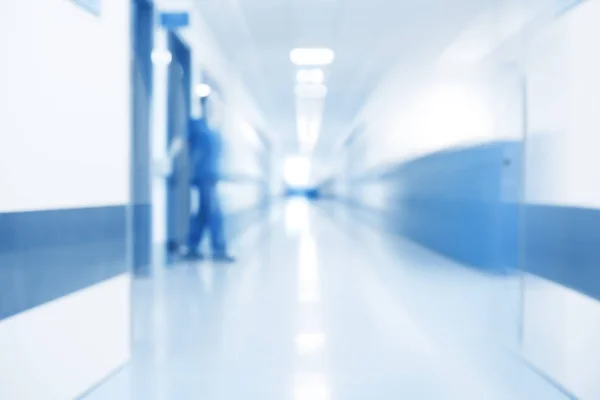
(299, 200)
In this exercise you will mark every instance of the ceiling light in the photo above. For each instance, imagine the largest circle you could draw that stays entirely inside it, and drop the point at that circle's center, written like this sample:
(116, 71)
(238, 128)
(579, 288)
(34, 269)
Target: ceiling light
(311, 91)
(312, 56)
(314, 76)
(203, 90)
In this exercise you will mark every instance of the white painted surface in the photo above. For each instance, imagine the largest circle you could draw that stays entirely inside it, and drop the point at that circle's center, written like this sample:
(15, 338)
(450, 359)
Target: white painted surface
(159, 139)
(564, 98)
(64, 105)
(60, 349)
(450, 106)
(374, 194)
(473, 102)
(561, 335)
(562, 169)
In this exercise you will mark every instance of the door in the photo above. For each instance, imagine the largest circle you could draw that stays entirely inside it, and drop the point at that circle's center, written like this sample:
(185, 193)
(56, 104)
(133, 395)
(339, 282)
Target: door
(178, 197)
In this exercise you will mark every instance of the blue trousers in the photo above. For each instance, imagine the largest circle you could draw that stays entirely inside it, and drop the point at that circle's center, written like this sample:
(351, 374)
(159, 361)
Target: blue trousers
(208, 218)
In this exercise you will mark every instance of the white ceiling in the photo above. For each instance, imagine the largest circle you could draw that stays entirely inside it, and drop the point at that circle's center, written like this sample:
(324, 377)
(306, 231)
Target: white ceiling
(368, 36)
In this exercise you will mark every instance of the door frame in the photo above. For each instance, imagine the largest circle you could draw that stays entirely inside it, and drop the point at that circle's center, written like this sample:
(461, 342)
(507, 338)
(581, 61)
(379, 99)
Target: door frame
(181, 58)
(141, 70)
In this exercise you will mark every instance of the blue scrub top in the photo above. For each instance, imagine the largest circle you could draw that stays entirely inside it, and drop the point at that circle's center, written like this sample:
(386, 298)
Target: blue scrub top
(205, 148)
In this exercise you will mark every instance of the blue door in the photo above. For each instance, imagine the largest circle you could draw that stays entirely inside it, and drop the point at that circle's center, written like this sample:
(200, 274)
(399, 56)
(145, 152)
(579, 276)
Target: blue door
(141, 76)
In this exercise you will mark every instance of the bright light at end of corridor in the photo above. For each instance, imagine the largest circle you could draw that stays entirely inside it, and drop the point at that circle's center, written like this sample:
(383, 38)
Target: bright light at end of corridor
(297, 171)
(312, 56)
(203, 90)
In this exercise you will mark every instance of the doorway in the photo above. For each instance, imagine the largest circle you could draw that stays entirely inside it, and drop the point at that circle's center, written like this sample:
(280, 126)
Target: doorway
(178, 115)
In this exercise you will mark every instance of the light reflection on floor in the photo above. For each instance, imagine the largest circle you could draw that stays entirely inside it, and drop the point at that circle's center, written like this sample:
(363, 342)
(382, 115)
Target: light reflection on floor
(315, 310)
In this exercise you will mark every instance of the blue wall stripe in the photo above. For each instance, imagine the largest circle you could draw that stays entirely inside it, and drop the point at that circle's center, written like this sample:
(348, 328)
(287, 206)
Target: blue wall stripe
(562, 244)
(463, 203)
(45, 255)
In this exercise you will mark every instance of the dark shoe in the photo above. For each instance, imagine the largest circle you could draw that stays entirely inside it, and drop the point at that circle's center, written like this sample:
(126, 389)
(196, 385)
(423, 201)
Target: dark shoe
(173, 247)
(223, 258)
(193, 256)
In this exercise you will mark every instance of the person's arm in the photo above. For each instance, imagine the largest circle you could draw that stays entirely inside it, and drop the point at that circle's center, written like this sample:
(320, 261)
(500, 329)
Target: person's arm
(164, 166)
(175, 148)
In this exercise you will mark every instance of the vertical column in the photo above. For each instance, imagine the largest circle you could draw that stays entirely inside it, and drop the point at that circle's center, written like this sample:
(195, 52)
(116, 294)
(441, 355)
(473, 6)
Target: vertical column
(161, 58)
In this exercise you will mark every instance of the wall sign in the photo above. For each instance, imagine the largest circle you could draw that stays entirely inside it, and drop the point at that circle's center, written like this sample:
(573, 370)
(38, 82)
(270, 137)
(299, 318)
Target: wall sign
(174, 20)
(92, 6)
(562, 6)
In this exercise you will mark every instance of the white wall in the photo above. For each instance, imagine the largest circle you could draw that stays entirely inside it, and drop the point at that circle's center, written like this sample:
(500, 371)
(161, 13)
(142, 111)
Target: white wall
(64, 143)
(449, 109)
(468, 100)
(563, 169)
(465, 96)
(64, 105)
(59, 350)
(561, 336)
(564, 99)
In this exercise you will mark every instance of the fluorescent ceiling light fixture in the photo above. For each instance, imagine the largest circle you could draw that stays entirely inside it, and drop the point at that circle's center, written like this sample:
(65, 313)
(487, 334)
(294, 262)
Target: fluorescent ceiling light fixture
(163, 57)
(308, 129)
(312, 56)
(308, 293)
(314, 76)
(307, 343)
(203, 90)
(311, 91)
(296, 171)
(303, 129)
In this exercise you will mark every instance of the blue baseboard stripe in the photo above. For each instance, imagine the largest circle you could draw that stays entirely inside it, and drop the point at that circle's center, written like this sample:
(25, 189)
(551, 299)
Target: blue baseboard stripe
(463, 204)
(45, 255)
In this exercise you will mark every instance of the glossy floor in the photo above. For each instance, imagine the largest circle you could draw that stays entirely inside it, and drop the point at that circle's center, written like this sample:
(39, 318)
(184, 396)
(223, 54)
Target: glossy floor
(322, 308)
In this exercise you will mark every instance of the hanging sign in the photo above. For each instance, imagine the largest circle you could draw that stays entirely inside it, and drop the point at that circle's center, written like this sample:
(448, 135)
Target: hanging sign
(92, 6)
(174, 20)
(562, 6)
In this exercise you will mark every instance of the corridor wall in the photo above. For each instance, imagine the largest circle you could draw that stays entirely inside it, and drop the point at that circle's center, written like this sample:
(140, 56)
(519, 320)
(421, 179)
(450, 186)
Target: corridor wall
(494, 165)
(440, 165)
(64, 195)
(560, 220)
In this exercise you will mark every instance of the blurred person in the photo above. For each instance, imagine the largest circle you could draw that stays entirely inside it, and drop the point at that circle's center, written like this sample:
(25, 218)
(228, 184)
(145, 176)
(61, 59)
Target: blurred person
(204, 143)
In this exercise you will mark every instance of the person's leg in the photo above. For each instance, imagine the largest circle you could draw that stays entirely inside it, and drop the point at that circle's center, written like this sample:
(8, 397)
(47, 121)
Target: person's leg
(199, 221)
(217, 233)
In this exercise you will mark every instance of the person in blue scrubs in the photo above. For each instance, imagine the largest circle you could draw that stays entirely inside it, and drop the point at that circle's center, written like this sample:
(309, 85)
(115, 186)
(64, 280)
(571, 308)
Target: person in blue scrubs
(205, 147)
